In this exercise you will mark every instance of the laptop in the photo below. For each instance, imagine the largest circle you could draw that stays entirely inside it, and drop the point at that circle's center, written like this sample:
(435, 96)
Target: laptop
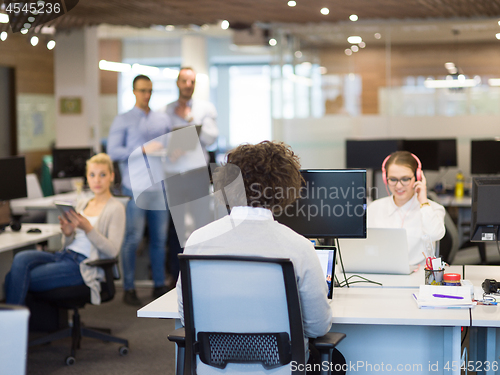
(326, 255)
(385, 250)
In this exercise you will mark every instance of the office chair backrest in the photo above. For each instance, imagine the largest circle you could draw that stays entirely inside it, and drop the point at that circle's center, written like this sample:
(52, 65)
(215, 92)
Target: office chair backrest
(33, 186)
(227, 295)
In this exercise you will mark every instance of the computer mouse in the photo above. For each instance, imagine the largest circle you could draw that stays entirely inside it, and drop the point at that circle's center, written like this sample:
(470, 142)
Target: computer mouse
(34, 230)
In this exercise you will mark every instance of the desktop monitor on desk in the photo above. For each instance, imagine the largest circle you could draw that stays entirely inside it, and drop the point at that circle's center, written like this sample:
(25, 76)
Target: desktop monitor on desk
(70, 162)
(332, 204)
(13, 170)
(484, 156)
(369, 154)
(485, 219)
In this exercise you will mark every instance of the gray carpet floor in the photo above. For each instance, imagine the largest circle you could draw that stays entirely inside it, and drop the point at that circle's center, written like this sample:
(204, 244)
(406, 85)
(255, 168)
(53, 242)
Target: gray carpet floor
(150, 351)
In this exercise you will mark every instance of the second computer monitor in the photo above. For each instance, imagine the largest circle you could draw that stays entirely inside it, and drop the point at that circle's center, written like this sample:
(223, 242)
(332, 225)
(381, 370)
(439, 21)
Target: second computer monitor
(13, 172)
(70, 162)
(484, 156)
(332, 204)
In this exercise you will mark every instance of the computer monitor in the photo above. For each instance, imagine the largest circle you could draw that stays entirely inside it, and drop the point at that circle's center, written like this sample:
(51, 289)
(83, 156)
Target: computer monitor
(485, 219)
(427, 150)
(369, 153)
(70, 162)
(484, 156)
(13, 172)
(332, 204)
(447, 152)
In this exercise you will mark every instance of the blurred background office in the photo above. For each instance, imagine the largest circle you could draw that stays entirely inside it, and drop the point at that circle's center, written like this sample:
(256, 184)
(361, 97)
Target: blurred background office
(310, 75)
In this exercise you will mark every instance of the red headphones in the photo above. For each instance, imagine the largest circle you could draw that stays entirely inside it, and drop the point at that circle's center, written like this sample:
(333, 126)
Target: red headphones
(418, 172)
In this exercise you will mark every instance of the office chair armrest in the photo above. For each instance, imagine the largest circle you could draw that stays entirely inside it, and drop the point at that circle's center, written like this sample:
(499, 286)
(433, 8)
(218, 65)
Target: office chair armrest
(178, 336)
(328, 341)
(103, 262)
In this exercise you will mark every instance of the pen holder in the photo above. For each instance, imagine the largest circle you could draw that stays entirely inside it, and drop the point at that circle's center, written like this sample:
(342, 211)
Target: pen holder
(434, 277)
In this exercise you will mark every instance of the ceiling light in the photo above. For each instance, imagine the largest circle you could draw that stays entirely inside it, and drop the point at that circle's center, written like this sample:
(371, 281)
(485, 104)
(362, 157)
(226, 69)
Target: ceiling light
(348, 51)
(325, 11)
(449, 83)
(298, 54)
(111, 66)
(224, 25)
(353, 17)
(292, 3)
(323, 70)
(24, 31)
(354, 48)
(377, 35)
(494, 81)
(51, 44)
(449, 65)
(498, 36)
(34, 40)
(498, 23)
(4, 18)
(3, 36)
(354, 39)
(48, 30)
(273, 42)
(362, 44)
(170, 27)
(145, 69)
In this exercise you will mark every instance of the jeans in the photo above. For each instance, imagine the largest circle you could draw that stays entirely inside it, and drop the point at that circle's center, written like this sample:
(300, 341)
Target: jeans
(157, 227)
(38, 271)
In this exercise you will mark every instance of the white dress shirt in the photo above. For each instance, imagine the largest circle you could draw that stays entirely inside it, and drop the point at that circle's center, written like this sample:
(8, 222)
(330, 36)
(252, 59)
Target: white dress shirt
(254, 232)
(423, 225)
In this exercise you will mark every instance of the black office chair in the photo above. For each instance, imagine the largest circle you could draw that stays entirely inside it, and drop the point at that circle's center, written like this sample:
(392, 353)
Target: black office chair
(74, 298)
(242, 312)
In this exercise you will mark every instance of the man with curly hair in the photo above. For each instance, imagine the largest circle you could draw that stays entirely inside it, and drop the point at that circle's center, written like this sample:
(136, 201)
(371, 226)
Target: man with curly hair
(272, 180)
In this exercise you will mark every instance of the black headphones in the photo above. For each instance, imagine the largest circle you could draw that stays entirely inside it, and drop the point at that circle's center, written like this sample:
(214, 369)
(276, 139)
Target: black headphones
(490, 286)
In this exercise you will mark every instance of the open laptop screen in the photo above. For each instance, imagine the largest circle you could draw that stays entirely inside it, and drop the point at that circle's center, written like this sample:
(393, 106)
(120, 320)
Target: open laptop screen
(326, 255)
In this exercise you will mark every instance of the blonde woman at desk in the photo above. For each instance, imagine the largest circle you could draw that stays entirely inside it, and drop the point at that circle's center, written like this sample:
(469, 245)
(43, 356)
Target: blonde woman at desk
(94, 231)
(407, 206)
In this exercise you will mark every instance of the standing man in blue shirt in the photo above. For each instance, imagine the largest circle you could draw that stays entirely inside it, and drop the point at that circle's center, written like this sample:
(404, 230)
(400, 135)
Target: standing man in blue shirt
(184, 112)
(135, 129)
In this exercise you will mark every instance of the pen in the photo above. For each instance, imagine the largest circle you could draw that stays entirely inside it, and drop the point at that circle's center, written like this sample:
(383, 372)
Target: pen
(447, 296)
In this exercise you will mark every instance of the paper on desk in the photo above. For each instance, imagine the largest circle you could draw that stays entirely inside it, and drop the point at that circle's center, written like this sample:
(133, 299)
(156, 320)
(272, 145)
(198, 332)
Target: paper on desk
(425, 298)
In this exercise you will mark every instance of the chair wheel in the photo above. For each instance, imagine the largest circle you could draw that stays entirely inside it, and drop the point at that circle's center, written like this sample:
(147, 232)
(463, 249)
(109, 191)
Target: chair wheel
(70, 361)
(123, 350)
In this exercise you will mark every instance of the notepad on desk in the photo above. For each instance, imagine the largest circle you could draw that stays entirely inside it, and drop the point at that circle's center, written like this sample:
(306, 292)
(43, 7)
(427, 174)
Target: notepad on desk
(443, 297)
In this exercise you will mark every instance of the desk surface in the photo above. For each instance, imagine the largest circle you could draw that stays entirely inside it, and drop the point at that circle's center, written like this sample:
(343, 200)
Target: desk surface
(19, 206)
(389, 306)
(451, 201)
(414, 280)
(12, 240)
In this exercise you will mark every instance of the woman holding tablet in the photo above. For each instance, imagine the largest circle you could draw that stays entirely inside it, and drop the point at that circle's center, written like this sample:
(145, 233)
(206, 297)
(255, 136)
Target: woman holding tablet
(407, 206)
(94, 231)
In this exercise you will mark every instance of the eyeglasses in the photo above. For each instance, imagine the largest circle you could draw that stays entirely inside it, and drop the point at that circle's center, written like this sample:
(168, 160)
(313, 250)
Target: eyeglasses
(405, 181)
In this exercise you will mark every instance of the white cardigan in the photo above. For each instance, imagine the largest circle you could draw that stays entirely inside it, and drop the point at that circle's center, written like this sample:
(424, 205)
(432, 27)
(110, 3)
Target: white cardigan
(106, 240)
(423, 225)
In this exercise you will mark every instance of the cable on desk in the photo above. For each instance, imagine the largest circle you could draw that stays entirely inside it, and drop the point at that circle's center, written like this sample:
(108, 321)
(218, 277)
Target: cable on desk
(364, 280)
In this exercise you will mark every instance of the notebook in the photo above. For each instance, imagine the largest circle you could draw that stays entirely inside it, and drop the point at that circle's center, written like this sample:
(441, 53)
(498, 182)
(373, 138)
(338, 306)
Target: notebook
(385, 250)
(326, 255)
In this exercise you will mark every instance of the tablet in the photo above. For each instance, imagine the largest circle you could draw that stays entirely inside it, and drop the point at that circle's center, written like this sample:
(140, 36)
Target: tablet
(64, 207)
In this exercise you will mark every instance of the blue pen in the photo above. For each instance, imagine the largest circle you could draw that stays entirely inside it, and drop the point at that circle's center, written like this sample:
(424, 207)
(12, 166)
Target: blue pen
(447, 296)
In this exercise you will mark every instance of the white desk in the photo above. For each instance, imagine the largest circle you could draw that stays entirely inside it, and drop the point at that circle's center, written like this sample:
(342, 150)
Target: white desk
(20, 206)
(414, 280)
(485, 334)
(10, 240)
(382, 325)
